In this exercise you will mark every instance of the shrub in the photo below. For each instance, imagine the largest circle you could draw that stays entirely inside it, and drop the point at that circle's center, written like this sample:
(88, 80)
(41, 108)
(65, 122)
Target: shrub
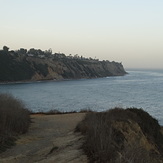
(100, 136)
(14, 119)
(104, 142)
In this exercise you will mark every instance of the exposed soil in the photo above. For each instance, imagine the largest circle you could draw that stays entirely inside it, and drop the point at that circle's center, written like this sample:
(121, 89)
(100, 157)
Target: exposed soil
(51, 138)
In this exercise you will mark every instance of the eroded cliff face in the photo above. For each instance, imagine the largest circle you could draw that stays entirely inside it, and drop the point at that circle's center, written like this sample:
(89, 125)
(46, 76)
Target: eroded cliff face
(136, 144)
(35, 68)
(58, 69)
(122, 136)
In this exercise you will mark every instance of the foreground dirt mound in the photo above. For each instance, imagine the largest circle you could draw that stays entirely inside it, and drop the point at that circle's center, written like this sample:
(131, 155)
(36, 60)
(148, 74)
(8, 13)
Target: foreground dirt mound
(51, 138)
(122, 136)
(115, 136)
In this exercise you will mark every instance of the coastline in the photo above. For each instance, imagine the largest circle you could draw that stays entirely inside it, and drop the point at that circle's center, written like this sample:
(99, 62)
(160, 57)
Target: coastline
(53, 80)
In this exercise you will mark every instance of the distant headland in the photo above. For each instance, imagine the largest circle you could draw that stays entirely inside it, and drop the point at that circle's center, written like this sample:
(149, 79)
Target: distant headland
(35, 64)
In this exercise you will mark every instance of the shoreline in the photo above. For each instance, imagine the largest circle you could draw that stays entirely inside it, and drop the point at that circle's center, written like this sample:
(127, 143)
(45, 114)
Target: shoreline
(53, 80)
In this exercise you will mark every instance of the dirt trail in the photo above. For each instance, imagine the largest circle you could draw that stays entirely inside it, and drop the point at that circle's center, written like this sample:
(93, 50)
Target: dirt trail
(50, 139)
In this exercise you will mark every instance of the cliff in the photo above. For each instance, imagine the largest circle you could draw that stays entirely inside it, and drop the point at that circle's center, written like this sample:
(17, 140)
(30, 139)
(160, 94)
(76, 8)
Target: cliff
(119, 135)
(16, 67)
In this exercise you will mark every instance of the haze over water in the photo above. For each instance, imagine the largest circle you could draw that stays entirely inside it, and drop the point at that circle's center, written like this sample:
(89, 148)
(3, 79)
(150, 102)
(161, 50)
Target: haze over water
(140, 88)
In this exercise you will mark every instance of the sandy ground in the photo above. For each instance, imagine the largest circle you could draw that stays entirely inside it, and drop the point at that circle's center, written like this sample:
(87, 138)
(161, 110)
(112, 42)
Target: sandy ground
(50, 139)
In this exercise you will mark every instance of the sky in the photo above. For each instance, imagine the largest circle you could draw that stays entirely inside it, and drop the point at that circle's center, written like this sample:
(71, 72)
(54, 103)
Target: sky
(127, 31)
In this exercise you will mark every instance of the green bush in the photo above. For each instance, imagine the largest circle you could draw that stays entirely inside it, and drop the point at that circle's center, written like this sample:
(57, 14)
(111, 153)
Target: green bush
(14, 119)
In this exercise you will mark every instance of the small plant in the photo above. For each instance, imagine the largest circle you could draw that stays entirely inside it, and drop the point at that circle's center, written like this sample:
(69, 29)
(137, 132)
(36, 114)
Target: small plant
(14, 120)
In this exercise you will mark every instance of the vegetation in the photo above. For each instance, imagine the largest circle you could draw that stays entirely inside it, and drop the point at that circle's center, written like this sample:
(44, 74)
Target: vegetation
(5, 48)
(13, 70)
(121, 136)
(14, 120)
(43, 54)
(52, 112)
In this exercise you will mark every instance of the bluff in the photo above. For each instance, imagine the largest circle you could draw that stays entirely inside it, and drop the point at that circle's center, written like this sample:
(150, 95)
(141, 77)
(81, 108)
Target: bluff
(122, 136)
(16, 67)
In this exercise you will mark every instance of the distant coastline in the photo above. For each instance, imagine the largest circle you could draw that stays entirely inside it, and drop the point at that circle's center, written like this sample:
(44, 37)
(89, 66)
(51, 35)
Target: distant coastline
(49, 80)
(36, 65)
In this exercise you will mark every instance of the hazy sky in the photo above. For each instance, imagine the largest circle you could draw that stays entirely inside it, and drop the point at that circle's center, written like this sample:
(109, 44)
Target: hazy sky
(127, 31)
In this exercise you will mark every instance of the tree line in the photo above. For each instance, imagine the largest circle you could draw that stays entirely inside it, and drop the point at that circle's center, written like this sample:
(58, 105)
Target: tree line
(43, 54)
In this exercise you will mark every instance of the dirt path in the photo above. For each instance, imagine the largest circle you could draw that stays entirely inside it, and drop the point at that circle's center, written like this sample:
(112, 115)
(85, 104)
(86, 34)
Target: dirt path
(50, 139)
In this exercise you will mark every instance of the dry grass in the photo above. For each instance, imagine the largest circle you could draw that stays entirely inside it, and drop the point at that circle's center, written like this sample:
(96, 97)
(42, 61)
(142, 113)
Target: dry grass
(14, 120)
(54, 111)
(106, 143)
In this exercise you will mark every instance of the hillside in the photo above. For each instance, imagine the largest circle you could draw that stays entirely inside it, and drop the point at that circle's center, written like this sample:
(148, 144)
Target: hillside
(38, 65)
(114, 136)
(122, 136)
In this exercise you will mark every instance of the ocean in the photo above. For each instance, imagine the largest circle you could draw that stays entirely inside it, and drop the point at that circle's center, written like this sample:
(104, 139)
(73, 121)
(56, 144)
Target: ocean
(139, 88)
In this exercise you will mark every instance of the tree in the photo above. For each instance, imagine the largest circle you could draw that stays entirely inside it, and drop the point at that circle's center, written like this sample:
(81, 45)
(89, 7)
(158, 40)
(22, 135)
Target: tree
(33, 51)
(22, 51)
(48, 52)
(5, 48)
(76, 56)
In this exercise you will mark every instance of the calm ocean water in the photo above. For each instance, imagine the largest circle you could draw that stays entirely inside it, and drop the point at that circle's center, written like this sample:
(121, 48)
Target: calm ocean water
(140, 88)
